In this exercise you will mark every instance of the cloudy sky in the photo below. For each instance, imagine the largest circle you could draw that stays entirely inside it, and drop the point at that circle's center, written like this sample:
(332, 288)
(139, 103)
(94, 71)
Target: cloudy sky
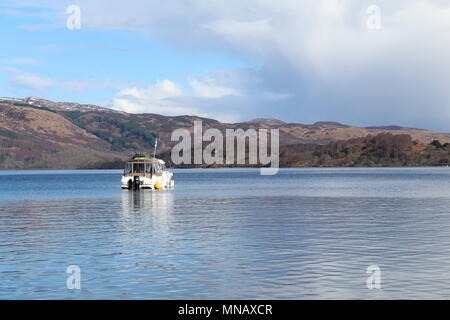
(353, 61)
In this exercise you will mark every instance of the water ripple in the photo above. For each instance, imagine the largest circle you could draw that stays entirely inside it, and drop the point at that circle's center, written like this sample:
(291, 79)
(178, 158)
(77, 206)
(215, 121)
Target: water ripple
(229, 234)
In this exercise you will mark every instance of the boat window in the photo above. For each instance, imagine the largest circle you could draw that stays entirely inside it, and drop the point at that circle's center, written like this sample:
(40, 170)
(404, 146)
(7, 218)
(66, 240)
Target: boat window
(127, 168)
(138, 168)
(156, 168)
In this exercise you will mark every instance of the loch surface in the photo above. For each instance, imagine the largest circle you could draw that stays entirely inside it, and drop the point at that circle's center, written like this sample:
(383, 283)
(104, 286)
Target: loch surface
(227, 234)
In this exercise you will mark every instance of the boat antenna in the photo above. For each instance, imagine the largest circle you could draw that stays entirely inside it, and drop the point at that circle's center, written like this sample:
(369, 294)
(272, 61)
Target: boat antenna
(154, 149)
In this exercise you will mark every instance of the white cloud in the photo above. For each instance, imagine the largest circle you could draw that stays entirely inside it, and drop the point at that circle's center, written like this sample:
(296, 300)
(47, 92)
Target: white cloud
(41, 84)
(75, 85)
(210, 90)
(157, 98)
(32, 82)
(30, 61)
(24, 13)
(92, 84)
(37, 27)
(9, 70)
(166, 97)
(234, 29)
(317, 55)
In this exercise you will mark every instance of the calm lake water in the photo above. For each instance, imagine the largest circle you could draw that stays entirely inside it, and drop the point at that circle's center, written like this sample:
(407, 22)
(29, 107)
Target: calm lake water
(227, 234)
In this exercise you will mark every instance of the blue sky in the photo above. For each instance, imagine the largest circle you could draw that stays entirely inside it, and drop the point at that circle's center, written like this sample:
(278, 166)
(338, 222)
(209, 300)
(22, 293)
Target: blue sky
(299, 61)
(113, 59)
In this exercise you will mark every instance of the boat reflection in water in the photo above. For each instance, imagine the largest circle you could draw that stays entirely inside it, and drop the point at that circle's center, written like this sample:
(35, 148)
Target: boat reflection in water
(160, 202)
(146, 217)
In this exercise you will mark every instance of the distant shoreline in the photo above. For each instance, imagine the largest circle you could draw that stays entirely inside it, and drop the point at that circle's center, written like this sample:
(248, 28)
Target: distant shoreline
(49, 135)
(233, 167)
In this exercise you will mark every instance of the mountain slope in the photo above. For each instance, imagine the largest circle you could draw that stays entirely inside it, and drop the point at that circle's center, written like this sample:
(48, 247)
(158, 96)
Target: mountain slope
(384, 149)
(33, 138)
(96, 119)
(39, 133)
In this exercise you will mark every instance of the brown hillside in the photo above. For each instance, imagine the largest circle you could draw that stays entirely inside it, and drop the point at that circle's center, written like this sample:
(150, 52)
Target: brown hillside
(31, 138)
(39, 133)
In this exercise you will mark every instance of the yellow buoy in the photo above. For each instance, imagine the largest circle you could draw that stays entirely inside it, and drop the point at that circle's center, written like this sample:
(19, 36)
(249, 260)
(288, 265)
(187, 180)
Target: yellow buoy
(158, 186)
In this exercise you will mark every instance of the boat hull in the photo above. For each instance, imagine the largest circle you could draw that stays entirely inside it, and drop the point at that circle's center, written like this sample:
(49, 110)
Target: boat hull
(163, 181)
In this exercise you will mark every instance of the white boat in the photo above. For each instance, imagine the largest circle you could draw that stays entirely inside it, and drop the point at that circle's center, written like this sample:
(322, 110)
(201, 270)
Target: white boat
(142, 172)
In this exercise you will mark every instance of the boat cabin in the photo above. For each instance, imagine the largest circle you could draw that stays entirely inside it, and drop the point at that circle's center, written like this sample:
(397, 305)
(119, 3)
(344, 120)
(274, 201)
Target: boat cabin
(141, 165)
